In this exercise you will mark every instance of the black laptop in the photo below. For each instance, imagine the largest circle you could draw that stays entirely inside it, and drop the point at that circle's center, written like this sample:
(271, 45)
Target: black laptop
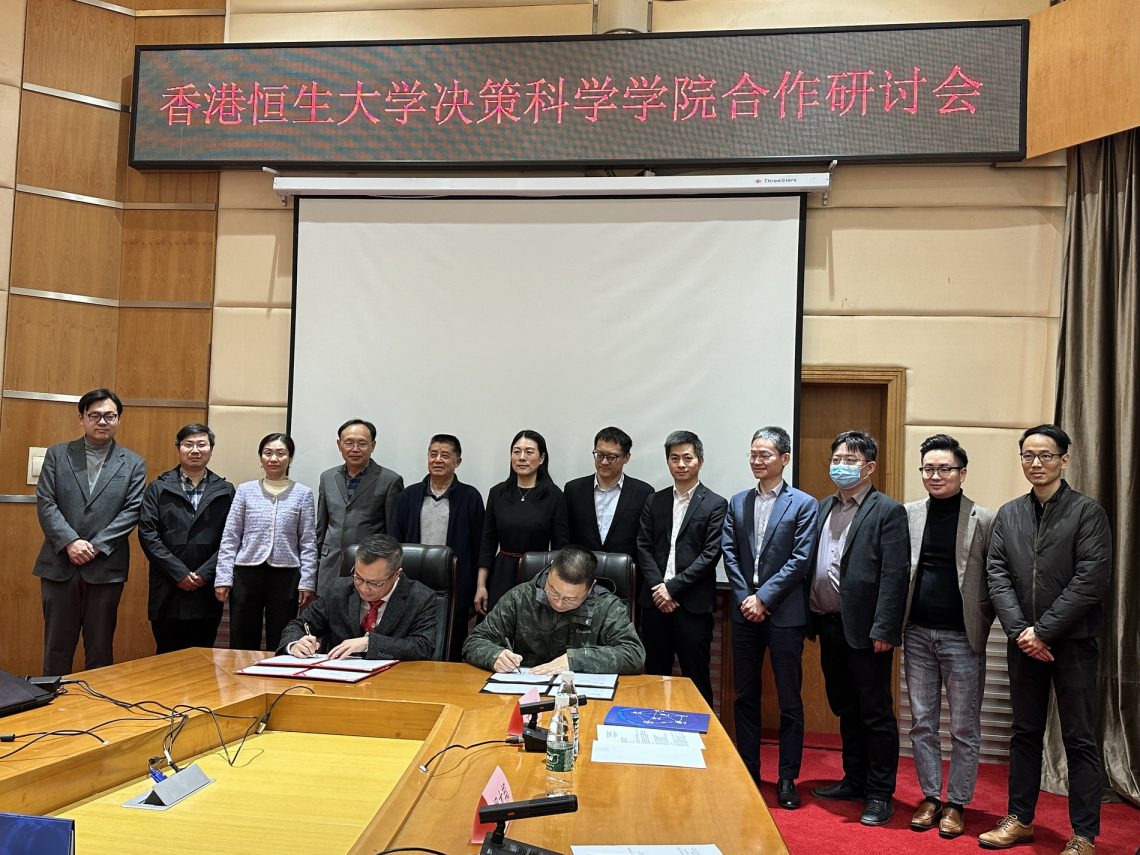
(17, 695)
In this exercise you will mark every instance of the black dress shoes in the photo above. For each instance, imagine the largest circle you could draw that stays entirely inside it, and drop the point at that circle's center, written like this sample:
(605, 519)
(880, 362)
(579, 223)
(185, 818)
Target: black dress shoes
(786, 795)
(876, 812)
(840, 791)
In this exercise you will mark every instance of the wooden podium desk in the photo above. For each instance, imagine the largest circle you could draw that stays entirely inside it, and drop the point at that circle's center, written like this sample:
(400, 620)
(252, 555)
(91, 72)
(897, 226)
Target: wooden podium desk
(436, 702)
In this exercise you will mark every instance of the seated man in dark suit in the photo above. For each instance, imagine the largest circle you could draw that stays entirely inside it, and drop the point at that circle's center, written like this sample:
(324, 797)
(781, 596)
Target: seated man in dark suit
(374, 612)
(604, 509)
(559, 621)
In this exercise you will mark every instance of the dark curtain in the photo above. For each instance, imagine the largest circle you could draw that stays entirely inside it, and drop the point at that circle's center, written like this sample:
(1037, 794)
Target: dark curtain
(1099, 377)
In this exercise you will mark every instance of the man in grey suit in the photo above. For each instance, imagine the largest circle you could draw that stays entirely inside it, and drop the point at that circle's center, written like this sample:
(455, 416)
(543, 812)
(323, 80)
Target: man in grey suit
(375, 613)
(354, 500)
(946, 626)
(88, 499)
(861, 565)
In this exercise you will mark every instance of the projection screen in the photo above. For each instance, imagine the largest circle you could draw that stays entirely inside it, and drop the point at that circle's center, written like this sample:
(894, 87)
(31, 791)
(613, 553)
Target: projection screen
(479, 317)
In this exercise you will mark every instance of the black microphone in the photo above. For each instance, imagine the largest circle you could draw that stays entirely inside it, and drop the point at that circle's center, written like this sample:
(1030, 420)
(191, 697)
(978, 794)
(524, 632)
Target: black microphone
(545, 705)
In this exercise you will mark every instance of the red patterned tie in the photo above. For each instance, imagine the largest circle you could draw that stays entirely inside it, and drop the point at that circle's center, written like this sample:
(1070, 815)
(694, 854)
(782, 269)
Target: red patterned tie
(370, 619)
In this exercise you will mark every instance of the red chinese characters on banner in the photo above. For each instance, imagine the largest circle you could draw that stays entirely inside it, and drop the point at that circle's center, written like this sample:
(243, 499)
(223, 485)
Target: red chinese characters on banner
(510, 101)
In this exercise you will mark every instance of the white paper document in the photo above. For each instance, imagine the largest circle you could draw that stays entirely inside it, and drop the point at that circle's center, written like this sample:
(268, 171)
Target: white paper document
(646, 755)
(506, 688)
(606, 681)
(651, 849)
(648, 736)
(520, 677)
(594, 693)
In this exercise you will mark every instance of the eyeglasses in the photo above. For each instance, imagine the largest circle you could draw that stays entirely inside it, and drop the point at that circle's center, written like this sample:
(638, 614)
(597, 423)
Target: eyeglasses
(847, 461)
(354, 443)
(95, 418)
(274, 454)
(765, 456)
(1027, 457)
(561, 600)
(604, 457)
(194, 446)
(941, 471)
(368, 583)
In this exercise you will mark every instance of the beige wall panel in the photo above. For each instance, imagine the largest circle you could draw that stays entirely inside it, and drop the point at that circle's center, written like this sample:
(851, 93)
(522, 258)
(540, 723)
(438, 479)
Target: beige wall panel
(164, 354)
(240, 189)
(9, 133)
(902, 186)
(1004, 369)
(141, 5)
(59, 347)
(70, 146)
(31, 424)
(22, 630)
(11, 41)
(243, 7)
(934, 261)
(239, 430)
(761, 14)
(255, 258)
(994, 475)
(193, 30)
(168, 255)
(79, 48)
(85, 262)
(150, 431)
(412, 24)
(7, 206)
(250, 358)
(182, 187)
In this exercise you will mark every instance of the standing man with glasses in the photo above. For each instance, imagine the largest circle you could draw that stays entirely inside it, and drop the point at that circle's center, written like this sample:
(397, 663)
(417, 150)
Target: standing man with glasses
(354, 500)
(604, 510)
(678, 547)
(180, 530)
(558, 621)
(375, 613)
(948, 622)
(768, 536)
(858, 595)
(1050, 564)
(87, 498)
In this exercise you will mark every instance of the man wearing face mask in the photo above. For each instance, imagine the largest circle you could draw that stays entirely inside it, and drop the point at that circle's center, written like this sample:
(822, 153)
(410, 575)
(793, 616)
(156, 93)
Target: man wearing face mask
(861, 570)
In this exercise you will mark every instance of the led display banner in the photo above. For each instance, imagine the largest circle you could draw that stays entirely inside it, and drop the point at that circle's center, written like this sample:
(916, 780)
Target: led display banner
(931, 92)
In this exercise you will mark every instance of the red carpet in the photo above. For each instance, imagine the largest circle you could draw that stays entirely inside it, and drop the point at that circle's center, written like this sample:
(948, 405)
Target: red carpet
(833, 827)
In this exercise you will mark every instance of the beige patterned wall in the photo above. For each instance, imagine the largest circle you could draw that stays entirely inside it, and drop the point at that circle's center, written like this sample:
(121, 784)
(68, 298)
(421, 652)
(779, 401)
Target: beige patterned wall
(951, 272)
(11, 65)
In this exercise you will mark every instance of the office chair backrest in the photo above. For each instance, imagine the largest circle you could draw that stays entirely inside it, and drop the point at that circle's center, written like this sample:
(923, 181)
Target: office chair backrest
(615, 572)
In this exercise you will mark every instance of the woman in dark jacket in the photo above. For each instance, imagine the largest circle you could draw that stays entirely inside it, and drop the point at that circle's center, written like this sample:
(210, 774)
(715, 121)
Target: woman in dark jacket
(180, 528)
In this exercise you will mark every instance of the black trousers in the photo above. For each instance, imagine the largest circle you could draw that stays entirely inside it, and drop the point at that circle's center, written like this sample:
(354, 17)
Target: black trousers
(459, 623)
(73, 607)
(683, 635)
(172, 634)
(262, 593)
(786, 645)
(1072, 674)
(858, 685)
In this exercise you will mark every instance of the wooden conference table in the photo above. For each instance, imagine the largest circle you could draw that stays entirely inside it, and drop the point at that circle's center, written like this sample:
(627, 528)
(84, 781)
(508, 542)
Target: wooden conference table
(436, 702)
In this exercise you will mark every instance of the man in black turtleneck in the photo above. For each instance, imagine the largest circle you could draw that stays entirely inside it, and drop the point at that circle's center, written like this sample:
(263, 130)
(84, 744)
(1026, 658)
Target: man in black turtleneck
(944, 642)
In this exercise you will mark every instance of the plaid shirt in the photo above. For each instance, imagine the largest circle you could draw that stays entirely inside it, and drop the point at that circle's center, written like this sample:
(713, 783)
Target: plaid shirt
(350, 484)
(194, 494)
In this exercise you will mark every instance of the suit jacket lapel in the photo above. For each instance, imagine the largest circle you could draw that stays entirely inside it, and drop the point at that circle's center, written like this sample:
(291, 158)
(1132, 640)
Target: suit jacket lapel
(393, 608)
(371, 473)
(750, 523)
(860, 515)
(917, 524)
(698, 496)
(77, 457)
(591, 511)
(781, 506)
(111, 465)
(967, 522)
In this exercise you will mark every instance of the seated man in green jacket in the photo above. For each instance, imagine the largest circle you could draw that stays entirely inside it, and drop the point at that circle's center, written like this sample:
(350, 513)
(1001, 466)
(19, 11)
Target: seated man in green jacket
(559, 621)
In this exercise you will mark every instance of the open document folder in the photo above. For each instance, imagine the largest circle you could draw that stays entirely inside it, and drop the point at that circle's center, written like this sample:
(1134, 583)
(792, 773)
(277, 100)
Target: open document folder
(320, 667)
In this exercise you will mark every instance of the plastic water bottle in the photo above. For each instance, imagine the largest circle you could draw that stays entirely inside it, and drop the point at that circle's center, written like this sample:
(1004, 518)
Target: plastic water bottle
(560, 749)
(567, 687)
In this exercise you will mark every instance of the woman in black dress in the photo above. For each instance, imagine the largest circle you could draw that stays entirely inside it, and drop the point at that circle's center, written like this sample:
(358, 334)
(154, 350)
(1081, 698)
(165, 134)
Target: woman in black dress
(525, 513)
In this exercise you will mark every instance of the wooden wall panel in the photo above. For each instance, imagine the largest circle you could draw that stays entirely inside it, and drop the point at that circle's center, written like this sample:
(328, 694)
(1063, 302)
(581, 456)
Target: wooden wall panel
(168, 255)
(78, 48)
(185, 187)
(193, 30)
(163, 354)
(65, 246)
(25, 424)
(59, 347)
(70, 146)
(22, 630)
(150, 431)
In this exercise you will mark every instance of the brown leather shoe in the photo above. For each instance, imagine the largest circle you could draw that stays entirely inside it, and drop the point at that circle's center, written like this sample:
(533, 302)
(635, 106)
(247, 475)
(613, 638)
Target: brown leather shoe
(1009, 831)
(1078, 845)
(952, 824)
(926, 816)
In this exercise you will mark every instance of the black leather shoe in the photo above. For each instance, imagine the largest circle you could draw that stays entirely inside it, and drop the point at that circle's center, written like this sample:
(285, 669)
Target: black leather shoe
(786, 794)
(840, 791)
(876, 812)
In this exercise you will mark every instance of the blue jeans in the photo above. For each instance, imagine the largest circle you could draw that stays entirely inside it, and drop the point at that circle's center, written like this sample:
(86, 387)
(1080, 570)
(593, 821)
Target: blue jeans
(933, 658)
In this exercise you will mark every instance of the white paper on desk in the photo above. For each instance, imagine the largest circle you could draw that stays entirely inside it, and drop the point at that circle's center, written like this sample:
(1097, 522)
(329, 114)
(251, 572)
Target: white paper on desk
(595, 693)
(520, 677)
(507, 688)
(648, 736)
(352, 663)
(271, 671)
(606, 681)
(294, 661)
(646, 755)
(653, 849)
